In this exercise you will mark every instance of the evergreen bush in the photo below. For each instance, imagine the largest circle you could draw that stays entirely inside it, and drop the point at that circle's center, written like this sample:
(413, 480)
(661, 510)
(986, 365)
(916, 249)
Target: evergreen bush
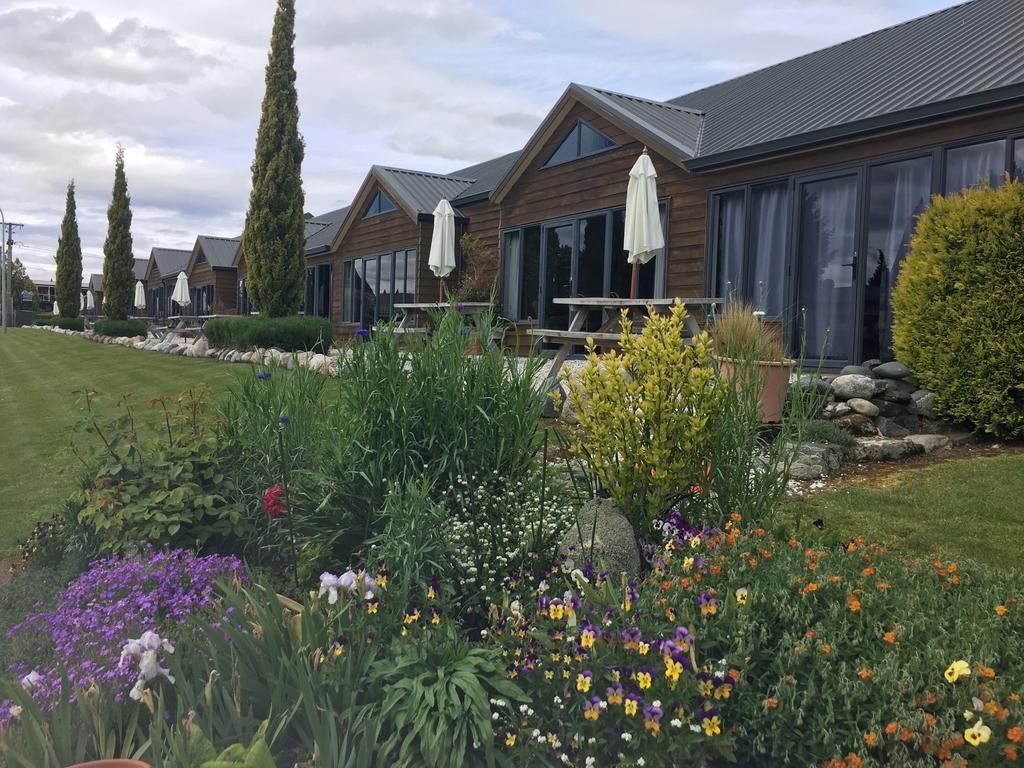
(67, 323)
(120, 327)
(69, 259)
(118, 259)
(959, 307)
(292, 334)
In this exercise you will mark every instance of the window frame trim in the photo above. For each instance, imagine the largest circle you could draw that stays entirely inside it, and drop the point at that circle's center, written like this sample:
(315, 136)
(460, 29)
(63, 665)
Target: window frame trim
(579, 138)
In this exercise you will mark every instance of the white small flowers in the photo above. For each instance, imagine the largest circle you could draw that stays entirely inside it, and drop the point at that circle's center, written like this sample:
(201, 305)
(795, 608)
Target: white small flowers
(15, 711)
(676, 722)
(591, 762)
(144, 651)
(641, 761)
(31, 681)
(694, 727)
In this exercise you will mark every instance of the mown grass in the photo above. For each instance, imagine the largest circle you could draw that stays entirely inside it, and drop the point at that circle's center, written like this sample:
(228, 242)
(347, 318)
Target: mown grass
(962, 509)
(42, 375)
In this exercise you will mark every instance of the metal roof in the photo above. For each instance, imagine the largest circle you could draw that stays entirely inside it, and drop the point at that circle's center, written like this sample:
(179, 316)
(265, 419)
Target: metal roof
(95, 282)
(170, 261)
(140, 268)
(676, 126)
(418, 191)
(485, 175)
(219, 251)
(955, 58)
(329, 224)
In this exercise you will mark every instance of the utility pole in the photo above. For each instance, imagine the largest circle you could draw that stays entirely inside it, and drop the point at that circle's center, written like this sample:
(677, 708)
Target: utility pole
(6, 277)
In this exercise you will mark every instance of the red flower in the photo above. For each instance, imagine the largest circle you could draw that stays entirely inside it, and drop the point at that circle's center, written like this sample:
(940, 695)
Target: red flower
(273, 502)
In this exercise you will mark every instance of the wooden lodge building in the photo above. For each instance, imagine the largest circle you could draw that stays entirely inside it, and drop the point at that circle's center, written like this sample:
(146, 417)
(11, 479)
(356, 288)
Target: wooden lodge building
(161, 273)
(795, 187)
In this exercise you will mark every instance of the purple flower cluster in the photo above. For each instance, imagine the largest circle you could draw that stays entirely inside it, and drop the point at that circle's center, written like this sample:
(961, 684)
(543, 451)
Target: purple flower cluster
(117, 599)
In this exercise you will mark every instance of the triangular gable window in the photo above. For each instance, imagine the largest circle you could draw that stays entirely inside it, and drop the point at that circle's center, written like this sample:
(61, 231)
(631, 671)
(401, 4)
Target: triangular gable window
(201, 258)
(380, 203)
(582, 140)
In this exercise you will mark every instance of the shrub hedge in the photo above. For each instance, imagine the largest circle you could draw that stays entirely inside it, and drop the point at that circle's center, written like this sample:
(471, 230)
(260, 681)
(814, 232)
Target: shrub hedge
(120, 327)
(292, 334)
(67, 323)
(959, 315)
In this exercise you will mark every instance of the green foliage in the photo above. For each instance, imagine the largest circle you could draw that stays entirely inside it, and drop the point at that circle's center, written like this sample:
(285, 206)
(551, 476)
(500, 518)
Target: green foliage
(821, 431)
(20, 281)
(118, 260)
(169, 489)
(67, 323)
(256, 755)
(69, 259)
(421, 410)
(959, 317)
(120, 328)
(273, 239)
(292, 334)
(643, 413)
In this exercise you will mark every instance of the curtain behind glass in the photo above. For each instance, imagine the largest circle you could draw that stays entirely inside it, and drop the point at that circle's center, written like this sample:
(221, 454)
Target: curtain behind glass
(973, 165)
(511, 277)
(729, 245)
(769, 210)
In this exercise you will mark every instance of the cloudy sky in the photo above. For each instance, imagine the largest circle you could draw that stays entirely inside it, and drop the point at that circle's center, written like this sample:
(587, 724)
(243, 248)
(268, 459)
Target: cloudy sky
(427, 84)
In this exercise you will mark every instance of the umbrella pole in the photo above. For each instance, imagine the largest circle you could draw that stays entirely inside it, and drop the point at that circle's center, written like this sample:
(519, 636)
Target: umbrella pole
(632, 282)
(440, 290)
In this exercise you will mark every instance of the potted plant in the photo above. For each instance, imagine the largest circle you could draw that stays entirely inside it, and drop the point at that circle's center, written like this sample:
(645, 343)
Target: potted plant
(750, 352)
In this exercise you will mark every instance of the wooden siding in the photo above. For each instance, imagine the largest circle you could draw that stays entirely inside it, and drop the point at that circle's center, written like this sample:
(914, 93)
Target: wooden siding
(225, 286)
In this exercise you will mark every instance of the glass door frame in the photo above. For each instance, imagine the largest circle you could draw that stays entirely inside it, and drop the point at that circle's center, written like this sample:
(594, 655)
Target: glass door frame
(853, 343)
(545, 227)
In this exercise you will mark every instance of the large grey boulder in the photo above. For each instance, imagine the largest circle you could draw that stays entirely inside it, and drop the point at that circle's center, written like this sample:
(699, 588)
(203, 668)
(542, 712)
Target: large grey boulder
(922, 403)
(883, 449)
(814, 460)
(856, 424)
(892, 370)
(607, 538)
(886, 408)
(897, 391)
(857, 370)
(853, 385)
(931, 443)
(865, 407)
(890, 427)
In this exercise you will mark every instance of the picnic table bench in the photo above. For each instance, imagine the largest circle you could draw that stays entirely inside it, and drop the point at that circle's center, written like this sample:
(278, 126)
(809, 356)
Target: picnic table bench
(187, 325)
(471, 310)
(610, 329)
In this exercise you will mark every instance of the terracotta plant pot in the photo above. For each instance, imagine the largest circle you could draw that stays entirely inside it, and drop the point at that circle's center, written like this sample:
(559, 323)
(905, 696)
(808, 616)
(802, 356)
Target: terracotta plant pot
(774, 387)
(112, 764)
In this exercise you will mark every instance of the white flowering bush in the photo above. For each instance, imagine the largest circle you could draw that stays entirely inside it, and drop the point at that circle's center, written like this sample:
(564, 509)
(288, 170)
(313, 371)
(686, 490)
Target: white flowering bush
(500, 526)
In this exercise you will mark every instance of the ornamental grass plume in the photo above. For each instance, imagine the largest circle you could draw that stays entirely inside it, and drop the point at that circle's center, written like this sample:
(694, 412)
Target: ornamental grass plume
(117, 599)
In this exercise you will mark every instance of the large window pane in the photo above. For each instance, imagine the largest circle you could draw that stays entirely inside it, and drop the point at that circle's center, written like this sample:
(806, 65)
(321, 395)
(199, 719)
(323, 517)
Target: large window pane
(386, 292)
(591, 262)
(410, 275)
(309, 302)
(511, 275)
(971, 166)
(897, 194)
(622, 270)
(827, 247)
(531, 274)
(558, 248)
(769, 214)
(1018, 159)
(323, 290)
(728, 244)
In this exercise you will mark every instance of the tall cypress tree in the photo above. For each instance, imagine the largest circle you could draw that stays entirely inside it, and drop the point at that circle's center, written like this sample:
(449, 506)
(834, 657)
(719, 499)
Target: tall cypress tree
(69, 259)
(118, 259)
(273, 240)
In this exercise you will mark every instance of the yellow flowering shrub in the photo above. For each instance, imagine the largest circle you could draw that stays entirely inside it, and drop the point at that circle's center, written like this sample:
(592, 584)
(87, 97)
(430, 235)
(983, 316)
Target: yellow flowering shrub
(642, 414)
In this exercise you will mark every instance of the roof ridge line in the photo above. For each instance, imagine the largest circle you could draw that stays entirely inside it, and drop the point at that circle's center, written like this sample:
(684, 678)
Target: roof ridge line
(655, 102)
(424, 173)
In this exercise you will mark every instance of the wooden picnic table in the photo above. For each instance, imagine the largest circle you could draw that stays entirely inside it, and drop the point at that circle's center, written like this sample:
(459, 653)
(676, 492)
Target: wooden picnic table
(610, 329)
(471, 310)
(187, 325)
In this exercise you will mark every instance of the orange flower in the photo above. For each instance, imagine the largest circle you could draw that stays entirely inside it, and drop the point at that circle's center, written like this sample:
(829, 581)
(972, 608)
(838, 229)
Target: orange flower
(929, 719)
(760, 531)
(853, 602)
(715, 569)
(1010, 754)
(883, 585)
(864, 673)
(770, 703)
(853, 761)
(906, 734)
(794, 543)
(811, 587)
(871, 738)
(869, 571)
(1000, 610)
(890, 637)
(752, 562)
(986, 672)
(835, 579)
(826, 649)
(810, 633)
(735, 517)
(891, 728)
(1016, 735)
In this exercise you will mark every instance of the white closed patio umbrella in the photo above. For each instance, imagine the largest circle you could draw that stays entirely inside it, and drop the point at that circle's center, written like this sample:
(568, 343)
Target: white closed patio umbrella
(56, 309)
(442, 243)
(81, 302)
(180, 294)
(90, 300)
(644, 237)
(140, 295)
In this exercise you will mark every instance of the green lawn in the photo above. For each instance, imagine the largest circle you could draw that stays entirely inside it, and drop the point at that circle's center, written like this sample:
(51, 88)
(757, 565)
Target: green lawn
(963, 509)
(39, 375)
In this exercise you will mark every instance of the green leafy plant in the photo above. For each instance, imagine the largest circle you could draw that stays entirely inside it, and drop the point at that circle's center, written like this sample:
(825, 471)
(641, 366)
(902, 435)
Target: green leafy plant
(169, 489)
(120, 327)
(292, 334)
(67, 323)
(820, 431)
(959, 318)
(643, 413)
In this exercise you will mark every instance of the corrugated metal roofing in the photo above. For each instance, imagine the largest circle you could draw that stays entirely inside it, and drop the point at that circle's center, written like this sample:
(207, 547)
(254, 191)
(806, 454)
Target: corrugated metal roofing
(330, 222)
(219, 251)
(485, 175)
(96, 282)
(678, 127)
(952, 54)
(418, 191)
(170, 261)
(140, 268)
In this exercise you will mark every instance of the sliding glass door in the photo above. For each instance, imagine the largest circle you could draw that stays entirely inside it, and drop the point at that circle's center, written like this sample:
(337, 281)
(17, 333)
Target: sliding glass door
(826, 280)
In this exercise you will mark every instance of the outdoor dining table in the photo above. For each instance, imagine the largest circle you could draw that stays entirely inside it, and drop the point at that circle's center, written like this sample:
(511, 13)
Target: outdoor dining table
(610, 329)
(187, 325)
(413, 315)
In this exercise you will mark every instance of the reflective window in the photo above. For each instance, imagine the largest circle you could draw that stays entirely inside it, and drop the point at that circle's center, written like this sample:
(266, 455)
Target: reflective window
(380, 203)
(975, 164)
(373, 285)
(728, 244)
(766, 251)
(581, 140)
(1018, 159)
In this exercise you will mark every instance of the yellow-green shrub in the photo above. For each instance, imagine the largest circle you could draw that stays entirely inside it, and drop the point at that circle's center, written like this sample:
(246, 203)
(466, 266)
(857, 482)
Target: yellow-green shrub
(642, 413)
(959, 307)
